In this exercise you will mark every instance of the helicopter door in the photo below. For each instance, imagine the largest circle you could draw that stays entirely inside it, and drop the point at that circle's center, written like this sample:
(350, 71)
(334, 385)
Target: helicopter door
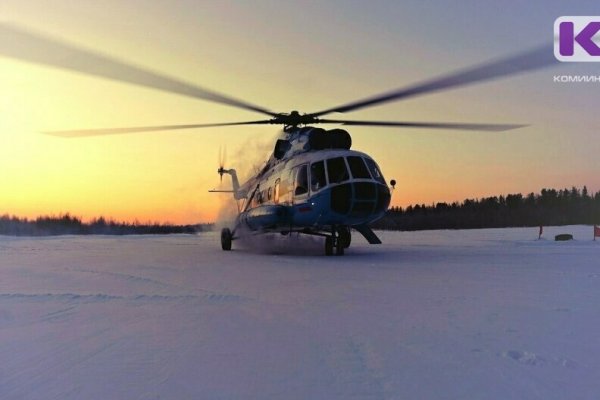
(301, 184)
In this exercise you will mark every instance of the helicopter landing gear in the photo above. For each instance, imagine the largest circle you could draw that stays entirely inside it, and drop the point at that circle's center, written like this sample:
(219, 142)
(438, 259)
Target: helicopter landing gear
(328, 246)
(226, 239)
(344, 236)
(337, 241)
(339, 249)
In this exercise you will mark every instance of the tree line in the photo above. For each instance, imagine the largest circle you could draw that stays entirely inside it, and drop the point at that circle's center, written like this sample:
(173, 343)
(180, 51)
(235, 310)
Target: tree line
(69, 225)
(549, 207)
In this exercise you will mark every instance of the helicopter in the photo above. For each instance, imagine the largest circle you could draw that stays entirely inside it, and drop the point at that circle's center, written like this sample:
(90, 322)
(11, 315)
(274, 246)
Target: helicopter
(313, 183)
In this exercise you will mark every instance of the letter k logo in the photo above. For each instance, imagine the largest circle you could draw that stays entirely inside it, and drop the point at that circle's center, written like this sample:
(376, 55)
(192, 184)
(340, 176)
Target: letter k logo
(580, 31)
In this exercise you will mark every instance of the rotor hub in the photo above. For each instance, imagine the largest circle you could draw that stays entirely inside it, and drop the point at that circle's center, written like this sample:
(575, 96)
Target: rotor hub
(293, 119)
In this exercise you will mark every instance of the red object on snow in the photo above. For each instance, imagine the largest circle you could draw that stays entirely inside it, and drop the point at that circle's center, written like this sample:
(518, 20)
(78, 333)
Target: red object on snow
(596, 231)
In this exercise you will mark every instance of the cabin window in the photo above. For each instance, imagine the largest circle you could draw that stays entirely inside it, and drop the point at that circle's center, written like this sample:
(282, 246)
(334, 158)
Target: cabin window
(276, 194)
(358, 168)
(270, 193)
(317, 176)
(301, 181)
(257, 199)
(336, 169)
(375, 170)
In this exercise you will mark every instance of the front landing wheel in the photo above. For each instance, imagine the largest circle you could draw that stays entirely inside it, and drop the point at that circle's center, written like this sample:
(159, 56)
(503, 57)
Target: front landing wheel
(226, 239)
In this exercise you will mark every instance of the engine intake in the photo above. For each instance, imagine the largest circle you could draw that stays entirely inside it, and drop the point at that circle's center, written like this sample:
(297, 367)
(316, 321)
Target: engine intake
(320, 139)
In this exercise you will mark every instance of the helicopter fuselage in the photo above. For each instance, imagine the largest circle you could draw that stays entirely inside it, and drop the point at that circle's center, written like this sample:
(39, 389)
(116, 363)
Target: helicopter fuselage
(313, 184)
(316, 191)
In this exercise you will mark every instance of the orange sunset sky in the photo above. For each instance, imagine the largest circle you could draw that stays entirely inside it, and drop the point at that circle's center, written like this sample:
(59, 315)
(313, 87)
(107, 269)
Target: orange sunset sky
(284, 56)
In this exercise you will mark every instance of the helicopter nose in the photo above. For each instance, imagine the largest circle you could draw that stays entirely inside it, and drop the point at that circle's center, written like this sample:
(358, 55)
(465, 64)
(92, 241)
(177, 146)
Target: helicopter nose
(360, 199)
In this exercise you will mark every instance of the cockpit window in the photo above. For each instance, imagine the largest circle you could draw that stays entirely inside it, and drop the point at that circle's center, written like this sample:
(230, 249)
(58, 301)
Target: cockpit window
(375, 170)
(317, 176)
(301, 181)
(336, 169)
(358, 168)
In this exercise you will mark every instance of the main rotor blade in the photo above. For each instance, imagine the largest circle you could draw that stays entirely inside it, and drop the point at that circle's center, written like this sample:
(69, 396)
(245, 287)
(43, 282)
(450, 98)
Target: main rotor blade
(21, 44)
(534, 59)
(431, 125)
(116, 131)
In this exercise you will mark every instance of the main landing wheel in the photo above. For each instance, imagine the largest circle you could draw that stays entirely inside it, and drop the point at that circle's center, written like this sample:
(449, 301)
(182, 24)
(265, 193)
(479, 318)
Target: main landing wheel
(226, 239)
(329, 246)
(339, 249)
(344, 236)
(333, 242)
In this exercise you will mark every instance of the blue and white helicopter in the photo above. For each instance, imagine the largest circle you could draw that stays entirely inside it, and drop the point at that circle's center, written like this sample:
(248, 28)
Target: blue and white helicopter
(313, 183)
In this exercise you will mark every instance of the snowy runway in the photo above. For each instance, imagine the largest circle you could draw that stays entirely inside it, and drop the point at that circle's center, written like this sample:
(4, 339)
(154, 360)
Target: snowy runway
(440, 314)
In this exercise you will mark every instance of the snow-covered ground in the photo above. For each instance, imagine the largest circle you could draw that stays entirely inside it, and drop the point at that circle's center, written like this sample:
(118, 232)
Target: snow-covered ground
(482, 314)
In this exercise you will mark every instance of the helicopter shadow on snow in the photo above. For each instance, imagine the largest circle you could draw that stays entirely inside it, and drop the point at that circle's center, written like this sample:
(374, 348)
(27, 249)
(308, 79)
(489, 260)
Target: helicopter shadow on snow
(292, 244)
(299, 245)
(311, 251)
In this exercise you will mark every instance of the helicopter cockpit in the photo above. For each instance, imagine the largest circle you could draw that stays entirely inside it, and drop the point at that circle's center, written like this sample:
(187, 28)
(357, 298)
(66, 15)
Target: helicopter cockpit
(356, 184)
(336, 170)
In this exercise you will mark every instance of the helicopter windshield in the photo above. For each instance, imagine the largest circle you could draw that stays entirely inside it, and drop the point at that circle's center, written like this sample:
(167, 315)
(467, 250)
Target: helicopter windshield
(340, 169)
(336, 169)
(375, 170)
(358, 168)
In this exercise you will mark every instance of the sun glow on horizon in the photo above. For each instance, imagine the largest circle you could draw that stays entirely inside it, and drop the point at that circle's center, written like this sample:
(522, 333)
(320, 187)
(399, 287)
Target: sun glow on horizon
(282, 65)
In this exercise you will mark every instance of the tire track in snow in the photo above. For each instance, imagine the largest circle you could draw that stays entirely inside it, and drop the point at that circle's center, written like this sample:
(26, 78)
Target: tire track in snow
(535, 360)
(129, 278)
(59, 315)
(103, 298)
(209, 294)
